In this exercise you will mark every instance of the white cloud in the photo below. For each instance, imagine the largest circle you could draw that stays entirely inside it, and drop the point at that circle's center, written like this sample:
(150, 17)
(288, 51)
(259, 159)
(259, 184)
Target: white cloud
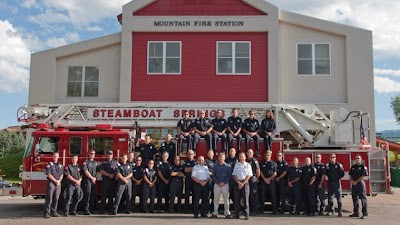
(57, 42)
(387, 72)
(384, 85)
(14, 59)
(29, 4)
(94, 29)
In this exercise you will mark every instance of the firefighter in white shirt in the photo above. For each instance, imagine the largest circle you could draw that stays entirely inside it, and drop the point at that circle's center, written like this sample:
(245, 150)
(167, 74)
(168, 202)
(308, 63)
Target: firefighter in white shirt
(200, 176)
(242, 173)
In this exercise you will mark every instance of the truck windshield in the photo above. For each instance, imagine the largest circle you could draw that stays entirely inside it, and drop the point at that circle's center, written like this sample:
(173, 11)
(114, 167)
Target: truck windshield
(47, 145)
(101, 144)
(28, 148)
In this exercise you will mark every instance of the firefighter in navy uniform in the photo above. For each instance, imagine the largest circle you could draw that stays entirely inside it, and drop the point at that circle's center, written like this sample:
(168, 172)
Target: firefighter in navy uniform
(251, 126)
(185, 129)
(234, 125)
(176, 186)
(131, 159)
(124, 187)
(232, 159)
(334, 172)
(253, 182)
(210, 162)
(219, 131)
(107, 169)
(149, 186)
(54, 172)
(309, 176)
(163, 182)
(74, 179)
(168, 146)
(202, 127)
(319, 184)
(268, 172)
(89, 183)
(188, 167)
(137, 183)
(268, 126)
(294, 176)
(281, 182)
(358, 191)
(147, 151)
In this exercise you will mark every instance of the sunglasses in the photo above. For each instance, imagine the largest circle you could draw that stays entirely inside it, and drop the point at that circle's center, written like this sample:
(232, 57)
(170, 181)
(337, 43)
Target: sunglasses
(332, 157)
(317, 157)
(358, 158)
(186, 114)
(138, 160)
(91, 153)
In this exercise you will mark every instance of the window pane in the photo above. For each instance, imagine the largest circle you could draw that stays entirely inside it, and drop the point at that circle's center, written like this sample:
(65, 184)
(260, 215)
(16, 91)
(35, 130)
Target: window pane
(322, 51)
(75, 145)
(48, 145)
(242, 66)
(224, 49)
(304, 67)
(173, 50)
(101, 144)
(74, 89)
(322, 67)
(92, 73)
(91, 89)
(75, 73)
(225, 65)
(156, 49)
(304, 51)
(173, 66)
(242, 49)
(155, 65)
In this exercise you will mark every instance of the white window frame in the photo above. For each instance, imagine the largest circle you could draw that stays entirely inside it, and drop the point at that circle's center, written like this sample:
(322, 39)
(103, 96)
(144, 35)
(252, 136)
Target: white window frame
(83, 82)
(165, 57)
(313, 59)
(234, 58)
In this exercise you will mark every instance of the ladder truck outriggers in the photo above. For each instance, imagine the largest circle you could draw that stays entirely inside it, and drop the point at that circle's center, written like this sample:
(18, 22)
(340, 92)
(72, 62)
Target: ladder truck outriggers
(302, 131)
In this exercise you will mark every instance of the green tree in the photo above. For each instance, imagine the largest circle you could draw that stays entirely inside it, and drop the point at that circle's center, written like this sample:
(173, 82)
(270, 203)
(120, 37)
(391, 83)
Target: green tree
(11, 143)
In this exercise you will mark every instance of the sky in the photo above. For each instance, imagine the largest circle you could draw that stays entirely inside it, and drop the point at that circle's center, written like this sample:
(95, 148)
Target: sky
(28, 26)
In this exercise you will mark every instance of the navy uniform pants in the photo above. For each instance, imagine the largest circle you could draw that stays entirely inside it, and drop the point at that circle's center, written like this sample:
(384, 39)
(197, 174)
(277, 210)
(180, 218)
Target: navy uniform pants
(281, 194)
(123, 190)
(242, 194)
(359, 192)
(200, 192)
(73, 194)
(51, 200)
(137, 190)
(197, 137)
(309, 198)
(215, 142)
(295, 197)
(320, 198)
(270, 191)
(268, 142)
(176, 188)
(148, 192)
(107, 192)
(188, 190)
(334, 190)
(89, 195)
(162, 191)
(254, 201)
(256, 138)
(232, 186)
(189, 140)
(238, 140)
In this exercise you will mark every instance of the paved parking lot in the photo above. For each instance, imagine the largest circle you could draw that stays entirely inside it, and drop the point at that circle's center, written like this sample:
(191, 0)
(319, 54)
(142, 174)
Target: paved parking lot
(383, 209)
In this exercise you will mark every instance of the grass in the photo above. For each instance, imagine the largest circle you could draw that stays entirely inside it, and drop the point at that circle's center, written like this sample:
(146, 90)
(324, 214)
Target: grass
(9, 166)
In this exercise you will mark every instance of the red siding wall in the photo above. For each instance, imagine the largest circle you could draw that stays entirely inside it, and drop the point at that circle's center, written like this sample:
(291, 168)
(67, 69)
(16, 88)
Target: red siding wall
(199, 81)
(198, 7)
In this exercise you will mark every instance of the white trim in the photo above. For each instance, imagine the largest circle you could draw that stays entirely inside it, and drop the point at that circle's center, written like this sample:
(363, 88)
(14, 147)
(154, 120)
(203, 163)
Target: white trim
(313, 59)
(233, 58)
(42, 176)
(164, 57)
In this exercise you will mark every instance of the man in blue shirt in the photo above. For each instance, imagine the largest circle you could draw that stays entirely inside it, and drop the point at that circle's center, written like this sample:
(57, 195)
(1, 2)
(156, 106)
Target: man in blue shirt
(221, 175)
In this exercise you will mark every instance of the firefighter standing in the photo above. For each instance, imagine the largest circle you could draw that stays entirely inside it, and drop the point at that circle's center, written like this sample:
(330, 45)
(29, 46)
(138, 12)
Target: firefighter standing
(147, 151)
(294, 175)
(124, 187)
(319, 184)
(358, 191)
(54, 172)
(163, 181)
(268, 187)
(168, 146)
(149, 186)
(309, 176)
(89, 183)
(281, 181)
(232, 160)
(137, 183)
(255, 167)
(210, 162)
(107, 169)
(176, 187)
(74, 179)
(334, 172)
(201, 178)
(188, 167)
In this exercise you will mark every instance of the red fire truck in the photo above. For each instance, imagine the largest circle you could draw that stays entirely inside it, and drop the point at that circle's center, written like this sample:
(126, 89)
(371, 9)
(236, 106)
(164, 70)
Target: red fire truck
(302, 131)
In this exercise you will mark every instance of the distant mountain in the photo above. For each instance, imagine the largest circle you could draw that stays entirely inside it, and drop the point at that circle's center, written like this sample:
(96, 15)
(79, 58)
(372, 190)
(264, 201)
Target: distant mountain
(390, 134)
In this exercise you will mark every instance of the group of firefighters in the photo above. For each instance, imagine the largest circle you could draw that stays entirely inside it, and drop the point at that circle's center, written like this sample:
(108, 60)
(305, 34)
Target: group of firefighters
(237, 177)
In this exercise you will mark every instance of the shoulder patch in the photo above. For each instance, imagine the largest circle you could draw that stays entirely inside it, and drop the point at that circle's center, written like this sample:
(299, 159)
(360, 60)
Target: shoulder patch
(48, 166)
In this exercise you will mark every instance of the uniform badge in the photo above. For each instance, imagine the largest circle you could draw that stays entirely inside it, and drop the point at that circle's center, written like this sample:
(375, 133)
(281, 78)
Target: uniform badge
(336, 166)
(281, 164)
(151, 147)
(60, 166)
(129, 167)
(163, 144)
(359, 168)
(309, 170)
